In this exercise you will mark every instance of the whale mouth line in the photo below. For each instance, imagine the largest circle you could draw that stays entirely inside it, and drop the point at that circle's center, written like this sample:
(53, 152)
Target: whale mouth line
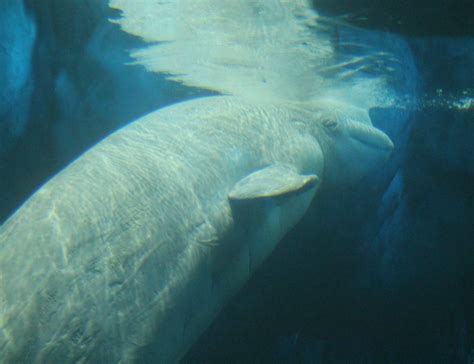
(370, 136)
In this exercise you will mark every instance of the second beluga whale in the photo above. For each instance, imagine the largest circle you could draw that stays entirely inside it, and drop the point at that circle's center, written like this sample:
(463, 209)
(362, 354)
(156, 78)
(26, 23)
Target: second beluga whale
(129, 253)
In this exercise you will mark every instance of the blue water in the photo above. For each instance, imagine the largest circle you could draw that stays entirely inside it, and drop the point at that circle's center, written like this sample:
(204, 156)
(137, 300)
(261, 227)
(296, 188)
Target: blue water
(382, 271)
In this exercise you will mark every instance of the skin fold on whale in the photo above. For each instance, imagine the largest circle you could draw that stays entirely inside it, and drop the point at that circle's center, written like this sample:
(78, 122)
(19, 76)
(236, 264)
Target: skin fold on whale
(127, 254)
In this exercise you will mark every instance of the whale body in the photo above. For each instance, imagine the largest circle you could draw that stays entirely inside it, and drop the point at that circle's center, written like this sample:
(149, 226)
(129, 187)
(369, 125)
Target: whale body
(128, 253)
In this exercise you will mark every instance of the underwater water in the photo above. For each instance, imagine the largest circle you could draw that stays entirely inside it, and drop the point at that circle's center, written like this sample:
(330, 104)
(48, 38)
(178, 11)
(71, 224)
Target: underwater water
(380, 268)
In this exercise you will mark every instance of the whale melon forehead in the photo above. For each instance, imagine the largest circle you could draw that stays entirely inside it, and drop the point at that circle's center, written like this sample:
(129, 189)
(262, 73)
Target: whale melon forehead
(341, 111)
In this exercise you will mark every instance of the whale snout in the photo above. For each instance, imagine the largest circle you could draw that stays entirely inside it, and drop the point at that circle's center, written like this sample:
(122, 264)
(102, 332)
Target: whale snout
(370, 136)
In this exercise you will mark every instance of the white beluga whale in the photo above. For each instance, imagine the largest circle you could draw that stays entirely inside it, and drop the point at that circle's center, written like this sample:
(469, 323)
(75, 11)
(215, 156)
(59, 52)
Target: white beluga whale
(128, 254)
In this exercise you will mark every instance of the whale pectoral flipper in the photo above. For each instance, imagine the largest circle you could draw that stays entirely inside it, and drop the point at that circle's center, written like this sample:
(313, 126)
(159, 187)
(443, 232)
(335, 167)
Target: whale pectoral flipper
(272, 181)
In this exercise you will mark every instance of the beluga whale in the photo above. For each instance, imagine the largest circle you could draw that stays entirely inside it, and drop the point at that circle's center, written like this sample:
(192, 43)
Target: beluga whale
(128, 253)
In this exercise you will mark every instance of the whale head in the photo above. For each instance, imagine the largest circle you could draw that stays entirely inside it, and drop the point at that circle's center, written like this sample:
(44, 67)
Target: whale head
(351, 145)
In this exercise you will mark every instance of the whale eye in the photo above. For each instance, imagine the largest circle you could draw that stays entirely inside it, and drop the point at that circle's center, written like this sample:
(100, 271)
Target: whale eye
(330, 124)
